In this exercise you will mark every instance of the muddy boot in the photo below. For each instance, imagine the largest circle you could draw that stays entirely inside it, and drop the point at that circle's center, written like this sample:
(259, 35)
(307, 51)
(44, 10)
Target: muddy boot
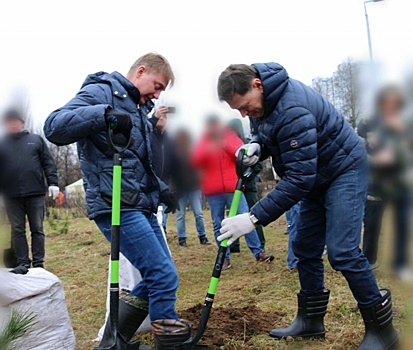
(169, 333)
(380, 334)
(309, 322)
(132, 312)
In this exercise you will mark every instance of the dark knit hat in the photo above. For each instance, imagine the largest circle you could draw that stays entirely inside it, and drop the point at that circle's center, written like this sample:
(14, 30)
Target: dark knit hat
(12, 114)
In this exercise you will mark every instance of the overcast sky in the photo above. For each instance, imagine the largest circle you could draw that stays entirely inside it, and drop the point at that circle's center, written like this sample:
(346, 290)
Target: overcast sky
(50, 46)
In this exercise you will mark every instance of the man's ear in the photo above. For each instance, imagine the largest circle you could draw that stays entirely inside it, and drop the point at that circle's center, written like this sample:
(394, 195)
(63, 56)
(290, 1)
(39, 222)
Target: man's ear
(140, 70)
(257, 84)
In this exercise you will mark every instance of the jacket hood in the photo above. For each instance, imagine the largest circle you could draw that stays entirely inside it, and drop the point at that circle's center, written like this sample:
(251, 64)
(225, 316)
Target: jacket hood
(274, 79)
(120, 85)
(236, 125)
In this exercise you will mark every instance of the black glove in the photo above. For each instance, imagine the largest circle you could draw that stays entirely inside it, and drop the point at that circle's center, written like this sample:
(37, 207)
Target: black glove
(119, 122)
(170, 200)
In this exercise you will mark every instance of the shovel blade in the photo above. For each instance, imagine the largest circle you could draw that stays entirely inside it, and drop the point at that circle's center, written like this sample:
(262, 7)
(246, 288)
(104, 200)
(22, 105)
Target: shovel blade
(121, 344)
(191, 344)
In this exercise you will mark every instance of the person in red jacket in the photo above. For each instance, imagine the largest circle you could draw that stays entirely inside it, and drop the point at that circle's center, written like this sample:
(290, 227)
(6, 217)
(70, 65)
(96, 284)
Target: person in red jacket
(215, 156)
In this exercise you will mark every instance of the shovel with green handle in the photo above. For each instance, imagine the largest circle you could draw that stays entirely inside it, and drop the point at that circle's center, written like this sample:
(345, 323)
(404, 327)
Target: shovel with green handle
(243, 173)
(118, 343)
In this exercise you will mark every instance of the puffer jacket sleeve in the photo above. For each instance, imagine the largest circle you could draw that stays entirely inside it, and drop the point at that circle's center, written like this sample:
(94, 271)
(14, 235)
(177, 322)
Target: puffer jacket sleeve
(80, 117)
(297, 139)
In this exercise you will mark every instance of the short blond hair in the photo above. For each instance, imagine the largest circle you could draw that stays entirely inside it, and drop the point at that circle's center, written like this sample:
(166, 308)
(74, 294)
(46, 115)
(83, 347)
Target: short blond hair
(154, 62)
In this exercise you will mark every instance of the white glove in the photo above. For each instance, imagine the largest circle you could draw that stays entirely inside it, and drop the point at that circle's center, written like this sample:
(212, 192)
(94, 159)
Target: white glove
(53, 191)
(253, 153)
(235, 227)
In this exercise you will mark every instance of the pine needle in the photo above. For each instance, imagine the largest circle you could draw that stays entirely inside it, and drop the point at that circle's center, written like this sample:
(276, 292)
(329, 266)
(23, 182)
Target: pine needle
(19, 324)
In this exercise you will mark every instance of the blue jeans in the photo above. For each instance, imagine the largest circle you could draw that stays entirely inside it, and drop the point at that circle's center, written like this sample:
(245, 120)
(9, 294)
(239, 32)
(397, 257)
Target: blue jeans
(194, 197)
(218, 203)
(334, 217)
(294, 214)
(142, 243)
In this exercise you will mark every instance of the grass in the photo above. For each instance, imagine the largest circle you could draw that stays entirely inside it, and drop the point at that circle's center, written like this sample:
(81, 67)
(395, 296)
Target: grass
(80, 259)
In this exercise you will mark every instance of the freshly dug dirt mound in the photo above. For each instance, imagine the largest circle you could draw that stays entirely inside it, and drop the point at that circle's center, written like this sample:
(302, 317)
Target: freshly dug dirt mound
(228, 323)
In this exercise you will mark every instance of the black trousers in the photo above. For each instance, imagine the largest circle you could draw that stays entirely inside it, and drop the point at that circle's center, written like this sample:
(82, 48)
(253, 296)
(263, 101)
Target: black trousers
(373, 216)
(17, 209)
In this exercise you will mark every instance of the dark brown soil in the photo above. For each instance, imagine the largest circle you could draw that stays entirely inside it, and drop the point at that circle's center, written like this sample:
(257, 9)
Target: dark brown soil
(228, 323)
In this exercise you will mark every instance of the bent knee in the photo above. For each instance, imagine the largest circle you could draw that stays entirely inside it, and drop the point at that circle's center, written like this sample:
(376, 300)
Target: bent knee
(351, 259)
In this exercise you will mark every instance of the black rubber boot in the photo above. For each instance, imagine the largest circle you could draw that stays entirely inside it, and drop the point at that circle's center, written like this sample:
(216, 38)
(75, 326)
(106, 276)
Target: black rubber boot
(169, 333)
(378, 320)
(309, 322)
(132, 312)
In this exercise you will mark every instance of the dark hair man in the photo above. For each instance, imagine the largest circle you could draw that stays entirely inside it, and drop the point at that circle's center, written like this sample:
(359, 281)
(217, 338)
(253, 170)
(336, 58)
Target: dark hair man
(26, 166)
(323, 163)
(84, 120)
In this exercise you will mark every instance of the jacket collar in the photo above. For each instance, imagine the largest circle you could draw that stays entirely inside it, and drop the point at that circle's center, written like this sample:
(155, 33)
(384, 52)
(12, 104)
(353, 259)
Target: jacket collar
(125, 86)
(121, 87)
(274, 79)
(18, 135)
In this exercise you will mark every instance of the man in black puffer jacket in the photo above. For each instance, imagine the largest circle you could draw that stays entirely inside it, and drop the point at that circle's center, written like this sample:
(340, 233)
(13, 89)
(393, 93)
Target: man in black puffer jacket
(27, 171)
(323, 164)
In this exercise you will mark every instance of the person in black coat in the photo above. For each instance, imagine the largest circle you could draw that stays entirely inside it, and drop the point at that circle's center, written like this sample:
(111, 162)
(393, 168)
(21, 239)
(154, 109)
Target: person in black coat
(27, 171)
(163, 152)
(322, 163)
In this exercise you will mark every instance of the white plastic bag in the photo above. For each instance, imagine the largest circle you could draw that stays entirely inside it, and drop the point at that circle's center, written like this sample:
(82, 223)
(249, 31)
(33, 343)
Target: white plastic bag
(41, 294)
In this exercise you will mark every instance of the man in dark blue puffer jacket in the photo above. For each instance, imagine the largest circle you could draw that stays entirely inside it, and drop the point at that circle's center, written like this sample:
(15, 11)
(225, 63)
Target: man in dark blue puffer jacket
(323, 164)
(84, 120)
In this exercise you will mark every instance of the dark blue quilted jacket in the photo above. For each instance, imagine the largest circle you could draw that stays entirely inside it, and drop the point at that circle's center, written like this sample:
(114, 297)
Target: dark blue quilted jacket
(82, 120)
(309, 141)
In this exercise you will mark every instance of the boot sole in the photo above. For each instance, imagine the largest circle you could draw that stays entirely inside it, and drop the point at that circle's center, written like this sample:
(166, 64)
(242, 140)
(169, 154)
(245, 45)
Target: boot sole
(305, 336)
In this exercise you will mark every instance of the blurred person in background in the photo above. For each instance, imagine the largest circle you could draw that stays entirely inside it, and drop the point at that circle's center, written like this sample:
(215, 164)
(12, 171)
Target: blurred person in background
(251, 190)
(163, 152)
(388, 143)
(294, 215)
(186, 183)
(215, 156)
(27, 171)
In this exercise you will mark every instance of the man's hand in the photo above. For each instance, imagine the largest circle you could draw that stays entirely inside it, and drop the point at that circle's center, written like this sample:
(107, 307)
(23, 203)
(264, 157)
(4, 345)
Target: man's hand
(253, 153)
(119, 122)
(170, 200)
(162, 111)
(235, 227)
(53, 192)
